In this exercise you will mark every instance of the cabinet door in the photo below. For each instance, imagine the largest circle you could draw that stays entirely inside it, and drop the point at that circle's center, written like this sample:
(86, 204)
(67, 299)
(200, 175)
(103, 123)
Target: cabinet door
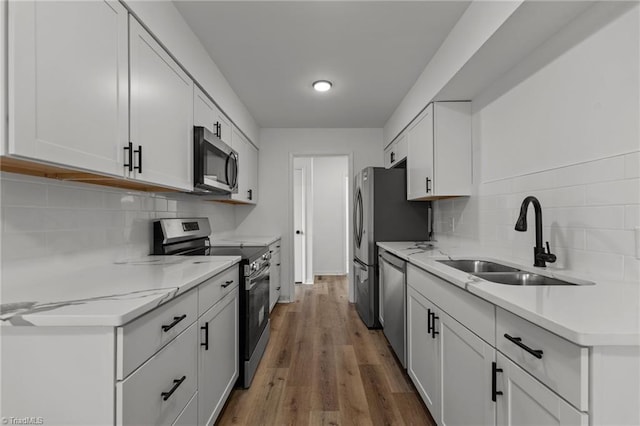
(68, 80)
(204, 110)
(161, 113)
(525, 401)
(420, 156)
(466, 365)
(219, 357)
(274, 281)
(423, 360)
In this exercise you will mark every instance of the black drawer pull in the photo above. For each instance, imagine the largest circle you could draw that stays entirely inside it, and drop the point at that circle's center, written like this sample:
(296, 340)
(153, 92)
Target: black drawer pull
(176, 385)
(176, 320)
(494, 371)
(205, 328)
(518, 341)
(227, 283)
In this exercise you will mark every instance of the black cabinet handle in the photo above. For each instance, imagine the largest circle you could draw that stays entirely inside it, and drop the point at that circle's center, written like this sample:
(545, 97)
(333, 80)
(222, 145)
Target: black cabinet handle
(433, 325)
(518, 341)
(129, 150)
(227, 283)
(428, 184)
(494, 371)
(176, 320)
(176, 385)
(205, 328)
(139, 152)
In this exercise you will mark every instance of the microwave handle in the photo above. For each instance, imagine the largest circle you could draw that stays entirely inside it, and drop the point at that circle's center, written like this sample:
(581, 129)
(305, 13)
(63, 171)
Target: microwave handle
(235, 177)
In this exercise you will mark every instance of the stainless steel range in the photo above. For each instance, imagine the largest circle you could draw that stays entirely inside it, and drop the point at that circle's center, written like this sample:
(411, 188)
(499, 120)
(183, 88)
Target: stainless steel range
(190, 237)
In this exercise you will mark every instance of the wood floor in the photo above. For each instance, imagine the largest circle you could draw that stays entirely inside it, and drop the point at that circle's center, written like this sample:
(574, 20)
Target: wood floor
(324, 367)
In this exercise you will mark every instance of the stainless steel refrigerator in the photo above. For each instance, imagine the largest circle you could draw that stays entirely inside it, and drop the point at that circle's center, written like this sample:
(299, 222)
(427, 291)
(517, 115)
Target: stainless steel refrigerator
(381, 213)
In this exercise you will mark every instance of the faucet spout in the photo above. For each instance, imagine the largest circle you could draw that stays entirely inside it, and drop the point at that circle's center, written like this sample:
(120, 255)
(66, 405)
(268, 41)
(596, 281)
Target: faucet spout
(540, 255)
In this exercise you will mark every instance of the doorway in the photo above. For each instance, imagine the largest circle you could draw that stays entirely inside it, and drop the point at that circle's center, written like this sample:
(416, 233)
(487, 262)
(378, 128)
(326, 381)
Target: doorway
(320, 216)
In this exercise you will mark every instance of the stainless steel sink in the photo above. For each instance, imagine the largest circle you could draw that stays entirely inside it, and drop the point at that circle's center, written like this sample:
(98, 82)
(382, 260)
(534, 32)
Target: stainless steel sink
(525, 278)
(477, 266)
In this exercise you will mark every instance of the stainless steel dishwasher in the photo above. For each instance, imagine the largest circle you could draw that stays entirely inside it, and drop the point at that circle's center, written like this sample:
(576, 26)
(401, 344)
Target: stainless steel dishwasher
(393, 297)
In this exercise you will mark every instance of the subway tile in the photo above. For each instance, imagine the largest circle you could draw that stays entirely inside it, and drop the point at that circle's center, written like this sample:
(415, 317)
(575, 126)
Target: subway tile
(23, 194)
(23, 245)
(632, 216)
(596, 265)
(71, 197)
(617, 192)
(603, 170)
(632, 269)
(607, 217)
(23, 219)
(632, 165)
(611, 241)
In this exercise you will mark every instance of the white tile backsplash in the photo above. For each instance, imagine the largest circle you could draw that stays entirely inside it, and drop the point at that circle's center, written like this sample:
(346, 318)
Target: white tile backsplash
(44, 217)
(589, 214)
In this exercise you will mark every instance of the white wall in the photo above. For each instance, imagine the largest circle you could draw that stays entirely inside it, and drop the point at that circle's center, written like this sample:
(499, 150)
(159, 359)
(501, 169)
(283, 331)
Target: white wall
(329, 226)
(567, 130)
(167, 24)
(273, 214)
(478, 23)
(44, 218)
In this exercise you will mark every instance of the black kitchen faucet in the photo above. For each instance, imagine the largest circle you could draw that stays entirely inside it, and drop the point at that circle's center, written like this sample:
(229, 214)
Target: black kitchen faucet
(540, 255)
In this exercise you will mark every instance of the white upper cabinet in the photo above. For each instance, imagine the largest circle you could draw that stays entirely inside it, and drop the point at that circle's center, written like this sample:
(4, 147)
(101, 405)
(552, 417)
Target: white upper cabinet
(206, 114)
(396, 151)
(68, 82)
(247, 169)
(161, 118)
(439, 152)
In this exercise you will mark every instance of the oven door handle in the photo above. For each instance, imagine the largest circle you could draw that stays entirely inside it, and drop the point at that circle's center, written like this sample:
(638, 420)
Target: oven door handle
(252, 282)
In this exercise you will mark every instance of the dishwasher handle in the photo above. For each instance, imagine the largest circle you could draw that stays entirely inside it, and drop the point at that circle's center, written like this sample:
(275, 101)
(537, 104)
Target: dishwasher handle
(392, 260)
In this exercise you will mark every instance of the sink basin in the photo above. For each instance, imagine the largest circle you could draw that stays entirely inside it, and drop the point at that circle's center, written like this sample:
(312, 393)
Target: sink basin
(477, 266)
(525, 278)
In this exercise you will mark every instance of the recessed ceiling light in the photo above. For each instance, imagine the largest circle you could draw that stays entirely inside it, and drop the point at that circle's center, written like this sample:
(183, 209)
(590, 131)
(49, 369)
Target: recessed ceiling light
(322, 85)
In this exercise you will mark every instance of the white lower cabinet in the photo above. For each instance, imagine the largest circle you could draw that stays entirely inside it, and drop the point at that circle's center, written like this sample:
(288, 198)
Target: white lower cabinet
(525, 401)
(464, 380)
(275, 278)
(466, 367)
(423, 357)
(218, 360)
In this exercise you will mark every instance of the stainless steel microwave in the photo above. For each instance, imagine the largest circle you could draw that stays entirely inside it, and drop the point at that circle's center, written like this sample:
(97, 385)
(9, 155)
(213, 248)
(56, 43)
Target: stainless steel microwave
(215, 164)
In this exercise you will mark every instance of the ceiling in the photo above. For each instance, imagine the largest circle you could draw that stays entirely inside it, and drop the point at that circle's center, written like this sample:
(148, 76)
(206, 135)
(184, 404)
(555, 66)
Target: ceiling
(271, 52)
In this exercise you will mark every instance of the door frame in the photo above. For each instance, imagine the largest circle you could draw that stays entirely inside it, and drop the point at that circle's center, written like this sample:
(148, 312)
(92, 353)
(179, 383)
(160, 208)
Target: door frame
(290, 234)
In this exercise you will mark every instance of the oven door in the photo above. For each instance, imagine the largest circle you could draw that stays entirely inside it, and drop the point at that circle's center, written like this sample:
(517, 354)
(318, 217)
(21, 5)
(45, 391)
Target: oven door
(257, 313)
(215, 164)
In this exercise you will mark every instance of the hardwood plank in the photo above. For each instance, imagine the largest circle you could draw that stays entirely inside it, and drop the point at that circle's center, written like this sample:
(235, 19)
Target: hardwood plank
(379, 397)
(413, 411)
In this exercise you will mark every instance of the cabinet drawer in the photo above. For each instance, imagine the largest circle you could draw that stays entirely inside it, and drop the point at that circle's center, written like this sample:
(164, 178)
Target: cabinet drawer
(142, 337)
(160, 389)
(474, 313)
(215, 288)
(562, 366)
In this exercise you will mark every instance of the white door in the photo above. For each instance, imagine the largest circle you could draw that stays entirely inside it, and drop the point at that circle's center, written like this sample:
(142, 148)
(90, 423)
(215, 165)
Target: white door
(527, 402)
(68, 81)
(219, 356)
(298, 225)
(161, 113)
(466, 366)
(423, 351)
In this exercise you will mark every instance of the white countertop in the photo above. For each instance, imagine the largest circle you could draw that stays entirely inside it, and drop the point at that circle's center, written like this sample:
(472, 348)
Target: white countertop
(607, 313)
(244, 240)
(100, 294)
